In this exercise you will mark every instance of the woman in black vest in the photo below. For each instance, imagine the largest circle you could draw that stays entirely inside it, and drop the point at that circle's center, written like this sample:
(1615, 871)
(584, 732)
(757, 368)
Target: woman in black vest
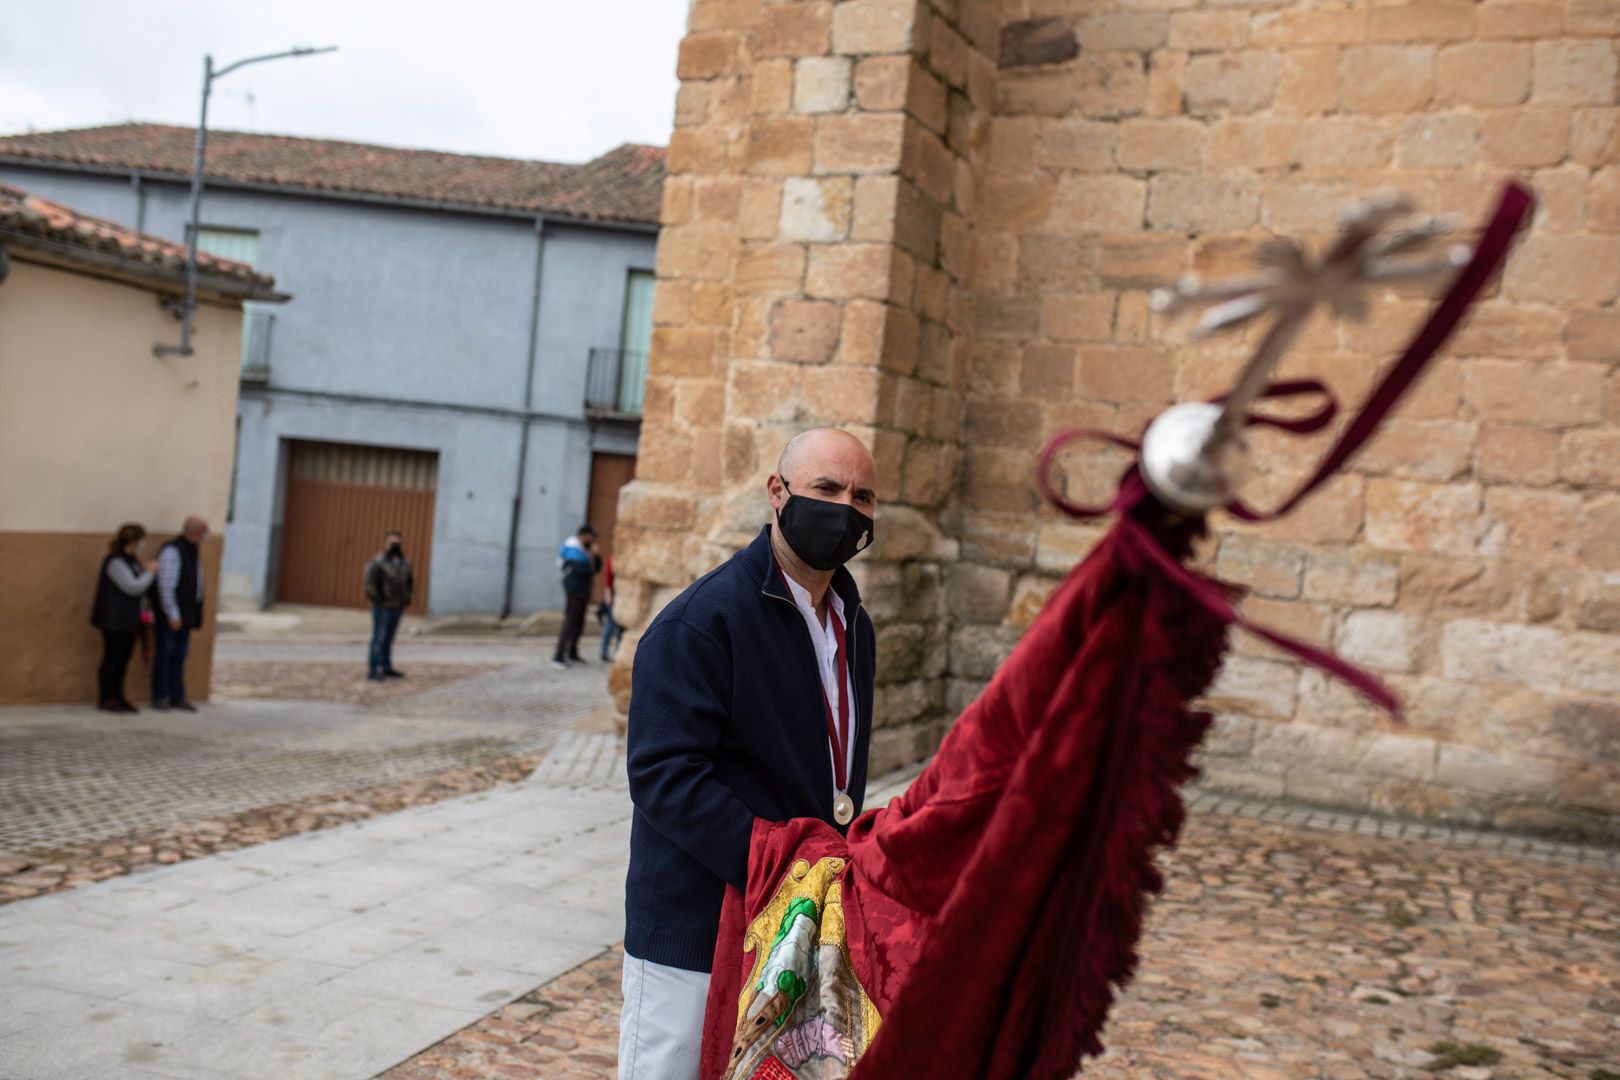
(120, 590)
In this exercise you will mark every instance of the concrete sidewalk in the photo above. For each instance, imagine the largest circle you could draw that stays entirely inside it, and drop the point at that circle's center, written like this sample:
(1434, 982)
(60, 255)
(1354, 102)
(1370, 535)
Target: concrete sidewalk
(331, 955)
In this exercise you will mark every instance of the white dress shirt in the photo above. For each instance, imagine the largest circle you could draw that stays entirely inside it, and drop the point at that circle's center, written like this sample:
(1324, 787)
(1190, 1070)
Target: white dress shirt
(825, 639)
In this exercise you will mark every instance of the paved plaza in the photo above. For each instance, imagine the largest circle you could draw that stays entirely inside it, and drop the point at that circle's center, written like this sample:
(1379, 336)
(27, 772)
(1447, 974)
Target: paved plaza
(478, 936)
(69, 774)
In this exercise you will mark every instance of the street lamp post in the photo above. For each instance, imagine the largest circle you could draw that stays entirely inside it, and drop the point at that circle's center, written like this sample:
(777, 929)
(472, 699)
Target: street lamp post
(209, 75)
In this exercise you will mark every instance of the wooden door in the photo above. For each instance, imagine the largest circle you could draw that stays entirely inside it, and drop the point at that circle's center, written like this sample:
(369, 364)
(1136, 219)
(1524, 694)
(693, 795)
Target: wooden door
(609, 473)
(341, 500)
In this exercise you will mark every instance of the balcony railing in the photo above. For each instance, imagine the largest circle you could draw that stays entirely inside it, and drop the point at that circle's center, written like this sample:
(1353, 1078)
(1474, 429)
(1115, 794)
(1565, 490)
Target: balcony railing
(614, 382)
(256, 327)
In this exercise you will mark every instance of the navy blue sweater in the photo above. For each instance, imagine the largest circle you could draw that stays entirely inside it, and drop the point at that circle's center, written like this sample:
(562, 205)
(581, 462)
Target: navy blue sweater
(727, 724)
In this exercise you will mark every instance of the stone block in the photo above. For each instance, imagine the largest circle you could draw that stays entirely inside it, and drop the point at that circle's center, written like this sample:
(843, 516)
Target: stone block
(683, 350)
(849, 271)
(1400, 756)
(699, 251)
(976, 593)
(780, 145)
(1516, 455)
(821, 83)
(843, 394)
(760, 211)
(793, 30)
(1208, 30)
(1126, 374)
(997, 481)
(1381, 640)
(1526, 137)
(1421, 449)
(1007, 317)
(880, 82)
(1108, 84)
(1591, 458)
(1056, 263)
(928, 100)
(977, 651)
(1504, 331)
(1137, 31)
(1574, 72)
(1600, 606)
(1438, 518)
(1037, 42)
(1439, 141)
(1140, 261)
(1151, 144)
(1346, 142)
(1298, 205)
(1090, 203)
(1047, 372)
(1426, 20)
(1339, 23)
(860, 27)
(1531, 526)
(1519, 19)
(1353, 575)
(1167, 82)
(1264, 568)
(948, 53)
(1594, 136)
(1599, 546)
(1242, 779)
(1060, 545)
(1596, 17)
(1523, 392)
(816, 208)
(770, 268)
(1310, 623)
(859, 142)
(1198, 202)
(1253, 143)
(650, 507)
(1071, 143)
(1483, 74)
(1232, 82)
(805, 331)
(1255, 687)
(998, 422)
(707, 56)
(1310, 82)
(1493, 774)
(1387, 78)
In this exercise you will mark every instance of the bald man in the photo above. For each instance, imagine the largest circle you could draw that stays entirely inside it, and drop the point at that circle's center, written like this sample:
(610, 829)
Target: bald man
(751, 698)
(178, 611)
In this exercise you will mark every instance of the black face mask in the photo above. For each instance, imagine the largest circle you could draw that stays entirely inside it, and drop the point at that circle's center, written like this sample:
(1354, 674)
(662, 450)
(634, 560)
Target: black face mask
(826, 535)
(395, 550)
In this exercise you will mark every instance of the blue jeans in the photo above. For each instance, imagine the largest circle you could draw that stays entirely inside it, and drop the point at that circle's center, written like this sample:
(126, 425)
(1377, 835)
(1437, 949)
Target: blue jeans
(384, 625)
(169, 648)
(612, 632)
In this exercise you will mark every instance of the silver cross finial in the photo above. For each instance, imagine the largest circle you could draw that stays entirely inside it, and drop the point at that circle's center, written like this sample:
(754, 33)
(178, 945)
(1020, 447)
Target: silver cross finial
(1289, 285)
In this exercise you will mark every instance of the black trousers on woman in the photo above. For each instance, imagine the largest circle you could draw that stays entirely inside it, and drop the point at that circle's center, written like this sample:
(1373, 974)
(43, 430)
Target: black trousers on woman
(116, 649)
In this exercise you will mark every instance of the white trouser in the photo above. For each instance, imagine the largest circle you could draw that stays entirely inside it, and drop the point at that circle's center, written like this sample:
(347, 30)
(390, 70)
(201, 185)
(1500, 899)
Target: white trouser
(661, 1027)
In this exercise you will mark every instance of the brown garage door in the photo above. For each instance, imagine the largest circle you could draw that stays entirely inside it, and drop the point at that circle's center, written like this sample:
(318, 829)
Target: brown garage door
(609, 473)
(341, 499)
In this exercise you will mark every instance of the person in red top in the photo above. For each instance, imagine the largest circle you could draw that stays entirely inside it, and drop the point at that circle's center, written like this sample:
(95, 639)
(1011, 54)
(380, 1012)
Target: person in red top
(612, 632)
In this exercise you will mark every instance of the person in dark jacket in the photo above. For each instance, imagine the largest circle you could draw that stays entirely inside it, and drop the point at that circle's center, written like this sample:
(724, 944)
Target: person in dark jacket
(121, 589)
(389, 586)
(751, 698)
(177, 611)
(578, 564)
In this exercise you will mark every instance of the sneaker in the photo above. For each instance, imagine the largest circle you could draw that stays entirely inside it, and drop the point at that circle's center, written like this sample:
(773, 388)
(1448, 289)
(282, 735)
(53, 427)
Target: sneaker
(125, 706)
(183, 706)
(160, 704)
(392, 674)
(559, 665)
(110, 706)
(375, 676)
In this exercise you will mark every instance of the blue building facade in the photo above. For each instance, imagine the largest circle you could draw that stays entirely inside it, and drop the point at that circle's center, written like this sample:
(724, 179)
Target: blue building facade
(480, 323)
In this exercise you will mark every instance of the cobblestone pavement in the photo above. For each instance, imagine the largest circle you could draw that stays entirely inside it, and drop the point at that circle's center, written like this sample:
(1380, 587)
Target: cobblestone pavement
(1280, 950)
(24, 877)
(74, 774)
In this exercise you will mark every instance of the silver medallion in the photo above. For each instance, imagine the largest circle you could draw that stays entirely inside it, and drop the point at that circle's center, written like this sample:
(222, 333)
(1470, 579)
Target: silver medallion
(843, 809)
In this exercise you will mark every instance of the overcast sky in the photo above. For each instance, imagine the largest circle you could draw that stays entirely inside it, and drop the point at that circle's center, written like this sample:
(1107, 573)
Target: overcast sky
(558, 80)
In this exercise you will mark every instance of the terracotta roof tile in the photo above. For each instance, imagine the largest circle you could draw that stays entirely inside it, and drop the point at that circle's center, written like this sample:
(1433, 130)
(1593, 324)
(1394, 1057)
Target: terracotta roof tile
(622, 185)
(25, 217)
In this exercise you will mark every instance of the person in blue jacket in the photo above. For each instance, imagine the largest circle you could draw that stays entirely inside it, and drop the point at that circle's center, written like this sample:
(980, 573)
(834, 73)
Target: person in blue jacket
(578, 566)
(751, 697)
